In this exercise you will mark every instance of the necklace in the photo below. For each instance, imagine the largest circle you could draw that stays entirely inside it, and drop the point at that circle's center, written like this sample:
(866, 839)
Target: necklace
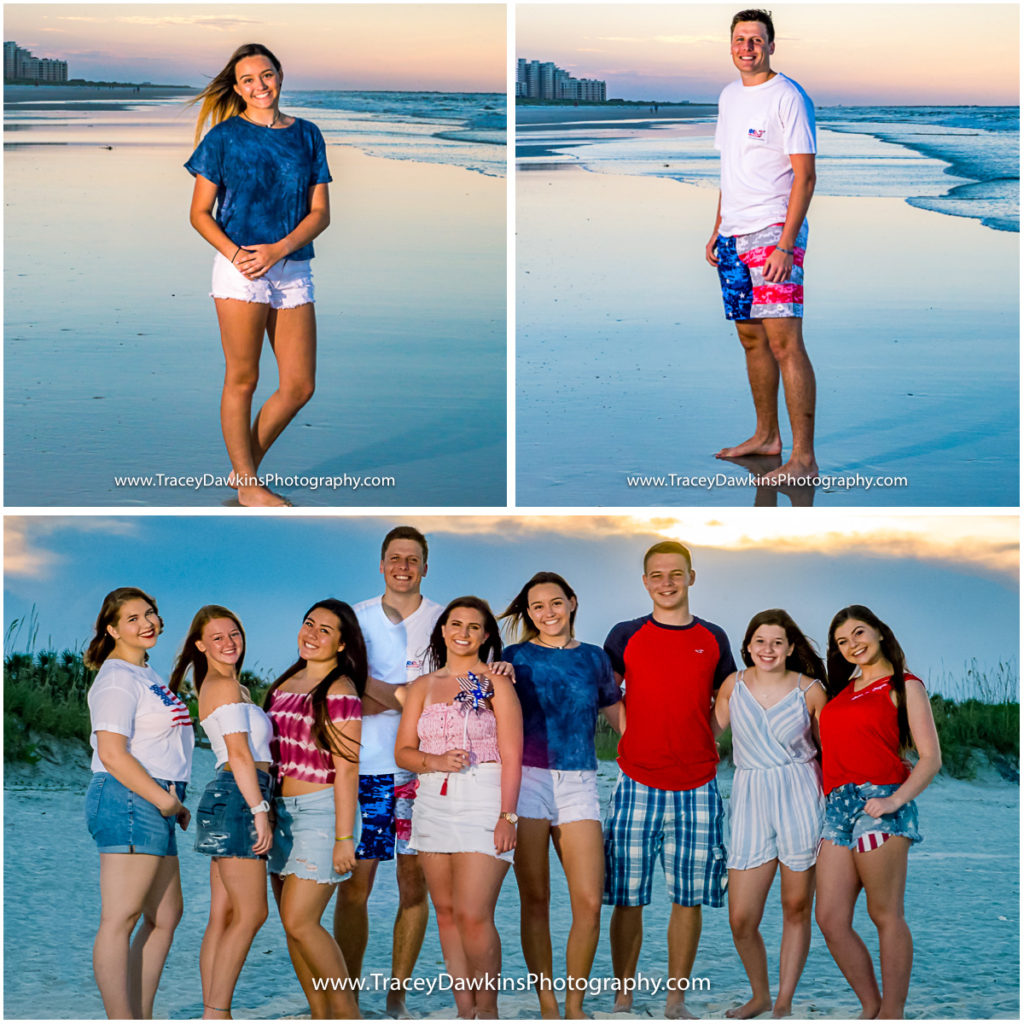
(277, 117)
(554, 647)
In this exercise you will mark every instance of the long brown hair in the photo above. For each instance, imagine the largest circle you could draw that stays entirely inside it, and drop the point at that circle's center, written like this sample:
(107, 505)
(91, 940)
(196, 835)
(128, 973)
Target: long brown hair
(102, 643)
(804, 658)
(219, 101)
(519, 625)
(190, 658)
(840, 671)
(490, 649)
(351, 663)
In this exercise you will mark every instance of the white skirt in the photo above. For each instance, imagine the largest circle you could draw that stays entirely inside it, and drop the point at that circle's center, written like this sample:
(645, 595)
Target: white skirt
(462, 819)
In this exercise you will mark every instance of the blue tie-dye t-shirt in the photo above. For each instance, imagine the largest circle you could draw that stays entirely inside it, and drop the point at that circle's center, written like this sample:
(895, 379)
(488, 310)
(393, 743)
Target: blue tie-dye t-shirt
(561, 692)
(263, 176)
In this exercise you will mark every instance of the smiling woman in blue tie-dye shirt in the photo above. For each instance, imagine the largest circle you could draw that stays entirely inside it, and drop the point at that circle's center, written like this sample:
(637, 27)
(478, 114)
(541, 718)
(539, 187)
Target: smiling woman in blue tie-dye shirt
(260, 198)
(561, 684)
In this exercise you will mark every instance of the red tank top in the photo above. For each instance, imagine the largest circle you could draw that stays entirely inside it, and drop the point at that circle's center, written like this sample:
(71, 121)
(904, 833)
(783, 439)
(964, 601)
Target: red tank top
(860, 737)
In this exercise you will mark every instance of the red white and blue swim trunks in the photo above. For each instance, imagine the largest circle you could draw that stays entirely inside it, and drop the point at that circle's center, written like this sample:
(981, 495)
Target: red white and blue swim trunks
(746, 294)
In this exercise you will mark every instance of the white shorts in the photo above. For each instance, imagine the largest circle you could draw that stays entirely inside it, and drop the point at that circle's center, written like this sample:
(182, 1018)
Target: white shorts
(284, 286)
(462, 818)
(560, 797)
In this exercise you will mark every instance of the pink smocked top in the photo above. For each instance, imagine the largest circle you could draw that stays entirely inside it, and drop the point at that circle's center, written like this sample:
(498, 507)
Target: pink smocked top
(295, 753)
(447, 727)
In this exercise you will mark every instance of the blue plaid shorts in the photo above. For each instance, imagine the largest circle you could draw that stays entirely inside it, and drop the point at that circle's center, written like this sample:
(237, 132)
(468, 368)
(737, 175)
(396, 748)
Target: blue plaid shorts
(682, 828)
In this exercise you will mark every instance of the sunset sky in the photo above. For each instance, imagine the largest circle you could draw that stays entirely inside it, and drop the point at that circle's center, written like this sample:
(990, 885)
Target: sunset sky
(947, 584)
(840, 53)
(445, 47)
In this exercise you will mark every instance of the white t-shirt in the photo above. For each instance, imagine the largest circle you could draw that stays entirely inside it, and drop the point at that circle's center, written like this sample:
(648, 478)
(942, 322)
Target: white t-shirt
(758, 127)
(397, 653)
(239, 717)
(133, 701)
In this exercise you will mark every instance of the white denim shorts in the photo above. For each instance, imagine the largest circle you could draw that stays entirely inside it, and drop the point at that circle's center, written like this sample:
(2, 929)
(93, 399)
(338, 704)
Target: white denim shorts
(557, 796)
(455, 812)
(284, 286)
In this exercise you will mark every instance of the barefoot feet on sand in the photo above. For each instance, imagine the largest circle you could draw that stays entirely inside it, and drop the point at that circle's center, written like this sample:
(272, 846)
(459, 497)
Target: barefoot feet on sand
(756, 445)
(678, 1011)
(749, 1009)
(261, 497)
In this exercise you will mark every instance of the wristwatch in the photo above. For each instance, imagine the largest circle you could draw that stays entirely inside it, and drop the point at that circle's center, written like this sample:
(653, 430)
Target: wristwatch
(263, 806)
(510, 816)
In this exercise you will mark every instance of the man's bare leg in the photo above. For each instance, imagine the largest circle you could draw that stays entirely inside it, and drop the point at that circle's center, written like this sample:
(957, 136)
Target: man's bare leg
(626, 934)
(763, 375)
(684, 926)
(410, 927)
(786, 338)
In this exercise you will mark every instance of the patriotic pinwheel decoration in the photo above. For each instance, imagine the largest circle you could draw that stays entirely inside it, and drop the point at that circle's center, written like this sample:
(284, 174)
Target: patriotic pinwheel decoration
(473, 691)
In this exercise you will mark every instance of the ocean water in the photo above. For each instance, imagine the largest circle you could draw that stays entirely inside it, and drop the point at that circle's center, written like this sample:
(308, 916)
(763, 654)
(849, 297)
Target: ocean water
(461, 129)
(959, 161)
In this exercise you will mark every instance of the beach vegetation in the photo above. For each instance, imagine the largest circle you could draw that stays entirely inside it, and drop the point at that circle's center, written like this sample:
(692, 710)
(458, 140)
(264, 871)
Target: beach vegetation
(45, 692)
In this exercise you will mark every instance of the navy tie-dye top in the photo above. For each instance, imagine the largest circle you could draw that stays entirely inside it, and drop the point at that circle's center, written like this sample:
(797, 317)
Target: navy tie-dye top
(263, 176)
(561, 692)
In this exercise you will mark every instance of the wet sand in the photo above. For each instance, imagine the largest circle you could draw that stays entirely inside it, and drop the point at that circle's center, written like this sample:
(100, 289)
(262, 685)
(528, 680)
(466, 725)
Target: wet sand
(112, 353)
(624, 355)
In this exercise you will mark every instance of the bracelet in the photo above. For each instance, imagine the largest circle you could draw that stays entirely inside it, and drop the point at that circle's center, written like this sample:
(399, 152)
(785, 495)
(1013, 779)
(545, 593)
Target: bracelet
(341, 839)
(237, 251)
(788, 252)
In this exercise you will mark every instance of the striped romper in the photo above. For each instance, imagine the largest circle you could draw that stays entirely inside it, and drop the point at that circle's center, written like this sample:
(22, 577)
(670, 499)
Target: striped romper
(777, 805)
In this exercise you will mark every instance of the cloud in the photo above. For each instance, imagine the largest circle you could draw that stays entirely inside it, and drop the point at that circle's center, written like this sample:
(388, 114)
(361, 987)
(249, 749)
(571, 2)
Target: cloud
(665, 40)
(983, 545)
(218, 21)
(26, 557)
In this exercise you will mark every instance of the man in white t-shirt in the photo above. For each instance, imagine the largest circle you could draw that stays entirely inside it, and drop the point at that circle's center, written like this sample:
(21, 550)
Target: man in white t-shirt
(766, 136)
(396, 628)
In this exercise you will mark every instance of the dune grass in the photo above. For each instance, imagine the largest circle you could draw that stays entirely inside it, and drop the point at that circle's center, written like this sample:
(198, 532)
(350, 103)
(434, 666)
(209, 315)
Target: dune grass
(976, 713)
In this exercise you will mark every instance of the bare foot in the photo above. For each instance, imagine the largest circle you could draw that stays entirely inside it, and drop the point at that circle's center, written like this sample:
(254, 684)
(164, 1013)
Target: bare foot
(750, 1009)
(756, 445)
(791, 472)
(261, 497)
(623, 1003)
(678, 1011)
(780, 1010)
(396, 1008)
(572, 1014)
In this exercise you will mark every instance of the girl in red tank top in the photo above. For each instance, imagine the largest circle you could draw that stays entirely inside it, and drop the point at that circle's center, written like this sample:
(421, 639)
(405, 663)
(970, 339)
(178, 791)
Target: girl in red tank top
(876, 711)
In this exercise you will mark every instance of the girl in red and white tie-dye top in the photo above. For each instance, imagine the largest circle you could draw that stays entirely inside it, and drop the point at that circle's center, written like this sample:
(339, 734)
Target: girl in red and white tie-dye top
(317, 714)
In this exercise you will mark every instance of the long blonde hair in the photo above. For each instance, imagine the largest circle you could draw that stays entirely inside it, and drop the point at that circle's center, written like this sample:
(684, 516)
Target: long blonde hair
(219, 101)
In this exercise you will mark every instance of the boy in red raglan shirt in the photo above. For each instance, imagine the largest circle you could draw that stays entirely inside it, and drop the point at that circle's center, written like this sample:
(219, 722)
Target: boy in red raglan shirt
(666, 801)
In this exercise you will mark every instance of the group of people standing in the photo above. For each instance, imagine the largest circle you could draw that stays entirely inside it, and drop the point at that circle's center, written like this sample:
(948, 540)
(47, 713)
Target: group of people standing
(406, 731)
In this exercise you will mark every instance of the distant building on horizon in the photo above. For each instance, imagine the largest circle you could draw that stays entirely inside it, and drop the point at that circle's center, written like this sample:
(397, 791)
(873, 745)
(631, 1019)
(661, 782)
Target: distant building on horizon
(543, 80)
(20, 65)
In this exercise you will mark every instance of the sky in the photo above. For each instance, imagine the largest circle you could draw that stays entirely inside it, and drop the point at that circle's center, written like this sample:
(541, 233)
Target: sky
(852, 53)
(443, 47)
(948, 585)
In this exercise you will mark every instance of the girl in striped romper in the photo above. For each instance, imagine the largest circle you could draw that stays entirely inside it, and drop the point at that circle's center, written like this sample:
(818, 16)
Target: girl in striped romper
(777, 805)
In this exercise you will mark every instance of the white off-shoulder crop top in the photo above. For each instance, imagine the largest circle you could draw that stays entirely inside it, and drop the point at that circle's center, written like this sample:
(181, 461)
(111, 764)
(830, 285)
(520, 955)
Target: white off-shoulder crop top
(239, 717)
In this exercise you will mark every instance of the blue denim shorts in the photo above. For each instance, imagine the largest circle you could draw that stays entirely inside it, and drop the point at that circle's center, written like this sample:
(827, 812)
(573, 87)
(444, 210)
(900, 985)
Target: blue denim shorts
(225, 827)
(846, 822)
(304, 837)
(123, 822)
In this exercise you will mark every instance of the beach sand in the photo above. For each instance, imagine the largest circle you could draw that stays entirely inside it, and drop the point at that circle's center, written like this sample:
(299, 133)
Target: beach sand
(624, 355)
(963, 900)
(112, 353)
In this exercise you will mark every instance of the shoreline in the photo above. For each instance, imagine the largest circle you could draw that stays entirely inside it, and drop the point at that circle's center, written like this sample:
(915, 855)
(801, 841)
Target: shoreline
(527, 116)
(55, 96)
